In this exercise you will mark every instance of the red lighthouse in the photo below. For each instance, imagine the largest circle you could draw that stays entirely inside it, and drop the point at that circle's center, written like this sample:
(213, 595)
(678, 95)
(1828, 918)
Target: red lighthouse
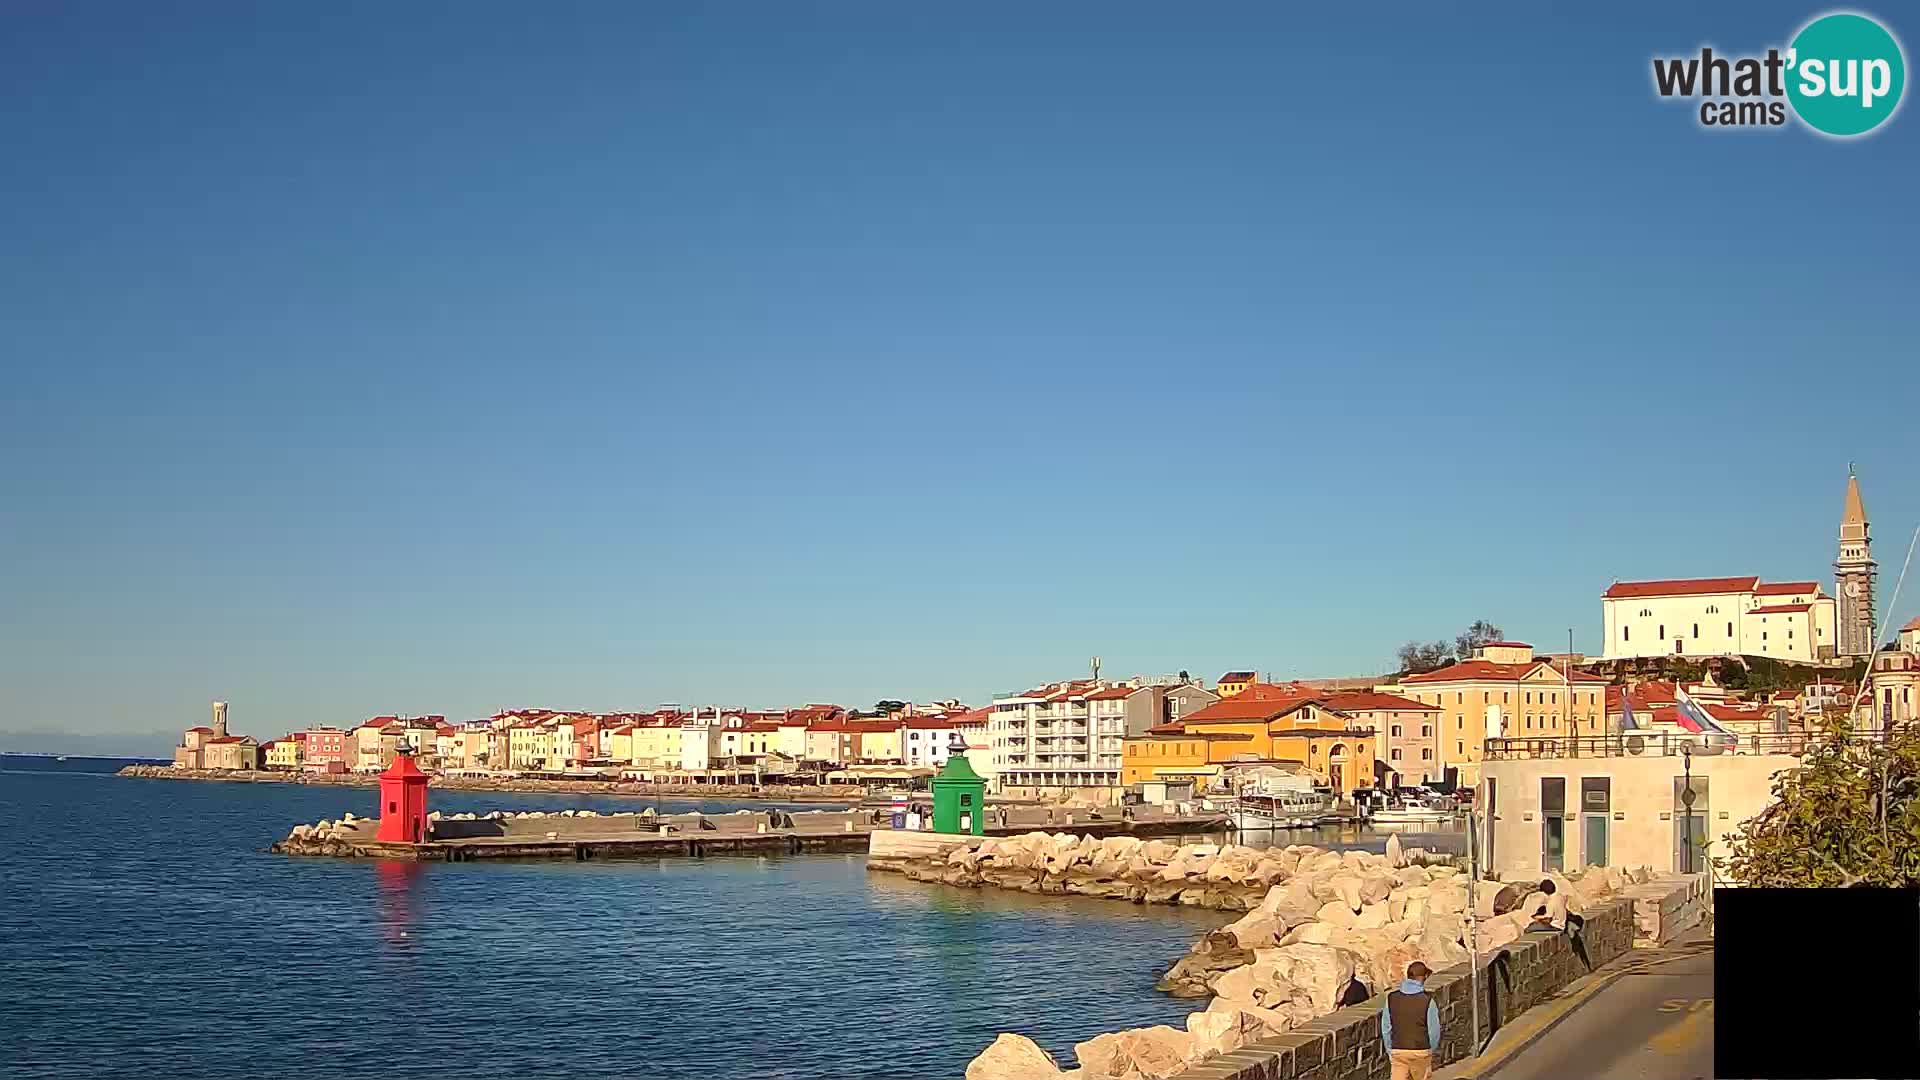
(403, 801)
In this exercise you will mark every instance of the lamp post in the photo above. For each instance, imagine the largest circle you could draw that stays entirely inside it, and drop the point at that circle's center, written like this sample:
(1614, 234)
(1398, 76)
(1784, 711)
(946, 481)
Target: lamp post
(1686, 802)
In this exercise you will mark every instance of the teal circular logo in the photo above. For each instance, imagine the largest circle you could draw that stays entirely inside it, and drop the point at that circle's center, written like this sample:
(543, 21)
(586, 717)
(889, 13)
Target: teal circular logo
(1845, 73)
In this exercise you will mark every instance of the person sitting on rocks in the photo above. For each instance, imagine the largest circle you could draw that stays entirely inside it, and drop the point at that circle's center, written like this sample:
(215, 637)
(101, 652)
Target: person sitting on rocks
(1356, 993)
(1556, 905)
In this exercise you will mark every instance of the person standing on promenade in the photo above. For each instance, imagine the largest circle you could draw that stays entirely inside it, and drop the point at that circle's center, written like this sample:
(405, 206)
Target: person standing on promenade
(1410, 1026)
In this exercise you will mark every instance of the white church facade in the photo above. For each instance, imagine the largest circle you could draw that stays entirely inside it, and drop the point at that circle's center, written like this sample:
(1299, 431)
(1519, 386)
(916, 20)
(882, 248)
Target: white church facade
(1744, 616)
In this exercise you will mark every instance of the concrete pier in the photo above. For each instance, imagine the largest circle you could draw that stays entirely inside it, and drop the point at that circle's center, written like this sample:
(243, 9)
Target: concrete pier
(590, 837)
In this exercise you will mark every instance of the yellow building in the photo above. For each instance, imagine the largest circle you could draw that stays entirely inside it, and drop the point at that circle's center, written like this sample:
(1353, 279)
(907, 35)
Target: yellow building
(1169, 752)
(1286, 725)
(285, 753)
(878, 740)
(656, 742)
(1235, 683)
(1503, 692)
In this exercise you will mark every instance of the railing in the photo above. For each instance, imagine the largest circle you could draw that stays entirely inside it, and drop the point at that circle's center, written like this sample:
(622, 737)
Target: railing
(1653, 744)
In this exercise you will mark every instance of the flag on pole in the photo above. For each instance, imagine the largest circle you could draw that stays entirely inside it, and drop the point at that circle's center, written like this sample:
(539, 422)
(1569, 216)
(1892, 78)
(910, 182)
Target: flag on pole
(1695, 718)
(1627, 722)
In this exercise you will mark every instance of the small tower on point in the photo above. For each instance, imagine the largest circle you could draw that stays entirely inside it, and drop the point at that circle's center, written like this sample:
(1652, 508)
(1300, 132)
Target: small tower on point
(403, 801)
(219, 719)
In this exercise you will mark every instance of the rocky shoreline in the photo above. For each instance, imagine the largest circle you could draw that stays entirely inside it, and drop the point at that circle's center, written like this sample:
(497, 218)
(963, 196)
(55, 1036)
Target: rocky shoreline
(831, 793)
(1314, 921)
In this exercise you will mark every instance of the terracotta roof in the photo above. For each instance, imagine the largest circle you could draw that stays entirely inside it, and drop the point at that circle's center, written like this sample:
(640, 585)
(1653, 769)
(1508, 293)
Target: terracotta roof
(1239, 676)
(1783, 588)
(1113, 692)
(208, 730)
(1645, 696)
(1178, 728)
(1779, 609)
(1489, 671)
(929, 723)
(1620, 590)
(764, 725)
(1506, 645)
(228, 739)
(1357, 700)
(1914, 625)
(1244, 708)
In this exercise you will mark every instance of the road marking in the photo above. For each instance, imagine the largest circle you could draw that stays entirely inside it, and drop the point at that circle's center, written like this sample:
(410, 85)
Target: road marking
(1693, 1005)
(1687, 1035)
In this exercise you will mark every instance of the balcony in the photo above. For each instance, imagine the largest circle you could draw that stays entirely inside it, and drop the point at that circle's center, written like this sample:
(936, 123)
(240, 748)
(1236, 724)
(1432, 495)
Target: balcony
(1652, 745)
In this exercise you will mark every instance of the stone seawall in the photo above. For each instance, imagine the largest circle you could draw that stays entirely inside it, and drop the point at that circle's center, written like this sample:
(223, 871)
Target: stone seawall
(832, 793)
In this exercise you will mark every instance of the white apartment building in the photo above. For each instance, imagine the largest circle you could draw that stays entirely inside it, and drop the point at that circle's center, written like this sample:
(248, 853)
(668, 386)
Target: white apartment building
(1062, 738)
(1734, 616)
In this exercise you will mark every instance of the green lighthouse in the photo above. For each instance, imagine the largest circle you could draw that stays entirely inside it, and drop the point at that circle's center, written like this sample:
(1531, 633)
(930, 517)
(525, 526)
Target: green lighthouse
(959, 794)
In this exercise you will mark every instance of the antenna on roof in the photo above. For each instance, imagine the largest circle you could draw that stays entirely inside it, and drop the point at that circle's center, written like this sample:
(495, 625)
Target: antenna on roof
(1096, 669)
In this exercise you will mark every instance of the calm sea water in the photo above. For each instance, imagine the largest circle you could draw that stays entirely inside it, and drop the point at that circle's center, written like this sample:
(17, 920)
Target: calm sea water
(145, 933)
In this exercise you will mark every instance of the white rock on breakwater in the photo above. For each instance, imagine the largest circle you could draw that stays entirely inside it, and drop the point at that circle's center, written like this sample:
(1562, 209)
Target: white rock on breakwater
(1318, 920)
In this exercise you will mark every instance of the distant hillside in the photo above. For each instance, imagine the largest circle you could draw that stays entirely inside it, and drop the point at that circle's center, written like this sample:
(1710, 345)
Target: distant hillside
(152, 744)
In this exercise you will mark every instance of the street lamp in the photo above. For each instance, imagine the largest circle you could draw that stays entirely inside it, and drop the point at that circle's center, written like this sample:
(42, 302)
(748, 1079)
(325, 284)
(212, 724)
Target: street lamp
(1686, 802)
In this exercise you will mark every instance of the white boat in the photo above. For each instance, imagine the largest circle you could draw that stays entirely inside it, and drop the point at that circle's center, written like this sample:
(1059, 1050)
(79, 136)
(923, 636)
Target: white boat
(1278, 809)
(1427, 812)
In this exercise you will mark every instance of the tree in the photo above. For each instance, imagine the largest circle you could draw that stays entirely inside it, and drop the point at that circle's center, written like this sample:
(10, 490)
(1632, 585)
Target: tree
(1849, 815)
(1480, 633)
(887, 707)
(1415, 657)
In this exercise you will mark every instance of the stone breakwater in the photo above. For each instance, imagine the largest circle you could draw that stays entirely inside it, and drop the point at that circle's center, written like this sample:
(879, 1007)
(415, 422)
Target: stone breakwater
(834, 793)
(1314, 921)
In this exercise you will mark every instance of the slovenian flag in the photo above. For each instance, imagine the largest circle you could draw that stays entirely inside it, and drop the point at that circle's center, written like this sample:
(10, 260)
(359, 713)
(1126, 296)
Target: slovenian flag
(1696, 719)
(1627, 722)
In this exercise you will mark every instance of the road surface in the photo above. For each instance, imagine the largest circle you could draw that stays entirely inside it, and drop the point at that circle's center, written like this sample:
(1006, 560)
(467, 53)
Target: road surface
(1653, 1021)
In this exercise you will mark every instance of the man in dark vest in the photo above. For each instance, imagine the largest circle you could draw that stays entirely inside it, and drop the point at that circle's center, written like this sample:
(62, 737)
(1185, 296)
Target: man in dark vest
(1410, 1026)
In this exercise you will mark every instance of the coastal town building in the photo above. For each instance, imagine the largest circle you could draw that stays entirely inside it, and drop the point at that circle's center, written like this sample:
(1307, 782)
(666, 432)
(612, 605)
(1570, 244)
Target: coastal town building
(286, 753)
(1406, 734)
(1066, 739)
(231, 753)
(1234, 683)
(1503, 690)
(1649, 800)
(191, 753)
(326, 749)
(1893, 690)
(1735, 616)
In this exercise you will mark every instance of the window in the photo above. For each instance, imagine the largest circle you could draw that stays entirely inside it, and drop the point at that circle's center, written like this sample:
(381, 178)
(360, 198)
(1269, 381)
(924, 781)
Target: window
(1459, 699)
(1396, 753)
(1529, 721)
(1426, 731)
(1646, 613)
(1426, 755)
(1459, 747)
(1396, 731)
(1663, 632)
(1713, 609)
(1529, 697)
(1626, 633)
(1763, 635)
(1696, 629)
(1504, 696)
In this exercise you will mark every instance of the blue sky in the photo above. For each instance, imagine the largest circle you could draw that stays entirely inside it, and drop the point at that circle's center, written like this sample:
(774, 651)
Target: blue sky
(443, 357)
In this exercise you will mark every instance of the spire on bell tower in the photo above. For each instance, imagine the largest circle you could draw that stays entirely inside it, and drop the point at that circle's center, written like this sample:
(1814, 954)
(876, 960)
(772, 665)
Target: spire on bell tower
(1853, 574)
